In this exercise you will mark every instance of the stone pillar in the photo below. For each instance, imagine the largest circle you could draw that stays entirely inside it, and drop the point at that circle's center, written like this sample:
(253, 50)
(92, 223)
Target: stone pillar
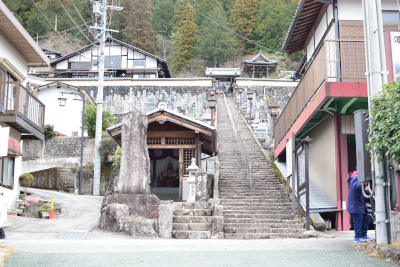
(134, 175)
(165, 219)
(201, 185)
(191, 181)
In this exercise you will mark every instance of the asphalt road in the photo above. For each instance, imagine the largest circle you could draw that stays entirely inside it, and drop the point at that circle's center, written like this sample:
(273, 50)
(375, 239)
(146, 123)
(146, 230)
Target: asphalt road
(38, 244)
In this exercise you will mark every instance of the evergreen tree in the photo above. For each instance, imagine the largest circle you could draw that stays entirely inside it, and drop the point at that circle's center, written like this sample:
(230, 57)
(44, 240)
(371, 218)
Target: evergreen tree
(163, 14)
(274, 19)
(215, 44)
(138, 31)
(228, 6)
(244, 21)
(185, 41)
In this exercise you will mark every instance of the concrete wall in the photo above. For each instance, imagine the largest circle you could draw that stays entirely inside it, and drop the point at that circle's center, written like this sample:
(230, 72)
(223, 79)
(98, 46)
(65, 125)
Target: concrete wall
(32, 149)
(322, 158)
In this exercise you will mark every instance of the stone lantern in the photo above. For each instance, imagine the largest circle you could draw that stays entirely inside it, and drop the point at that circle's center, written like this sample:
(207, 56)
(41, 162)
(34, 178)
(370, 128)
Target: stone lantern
(211, 101)
(240, 99)
(250, 97)
(191, 181)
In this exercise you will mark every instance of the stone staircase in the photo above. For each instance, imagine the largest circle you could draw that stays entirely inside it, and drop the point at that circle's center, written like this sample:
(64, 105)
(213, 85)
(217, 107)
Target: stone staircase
(192, 220)
(67, 175)
(261, 211)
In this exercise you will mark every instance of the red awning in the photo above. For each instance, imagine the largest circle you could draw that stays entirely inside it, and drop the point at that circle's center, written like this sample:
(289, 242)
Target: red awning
(13, 146)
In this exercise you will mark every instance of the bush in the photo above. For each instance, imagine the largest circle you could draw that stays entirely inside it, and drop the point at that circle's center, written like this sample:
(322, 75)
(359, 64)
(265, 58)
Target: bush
(26, 179)
(44, 208)
(49, 131)
(107, 147)
(117, 161)
(384, 126)
(90, 120)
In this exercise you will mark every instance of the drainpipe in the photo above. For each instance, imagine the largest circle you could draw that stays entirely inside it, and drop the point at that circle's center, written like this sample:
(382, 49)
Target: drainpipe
(336, 16)
(339, 226)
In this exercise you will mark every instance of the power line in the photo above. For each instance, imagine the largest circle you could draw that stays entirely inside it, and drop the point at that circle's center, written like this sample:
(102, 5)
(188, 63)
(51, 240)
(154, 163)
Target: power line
(73, 21)
(276, 52)
(80, 16)
(51, 26)
(67, 30)
(71, 39)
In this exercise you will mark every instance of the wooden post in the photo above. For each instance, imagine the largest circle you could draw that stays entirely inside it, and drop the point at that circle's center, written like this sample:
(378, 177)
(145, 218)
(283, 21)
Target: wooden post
(198, 149)
(180, 173)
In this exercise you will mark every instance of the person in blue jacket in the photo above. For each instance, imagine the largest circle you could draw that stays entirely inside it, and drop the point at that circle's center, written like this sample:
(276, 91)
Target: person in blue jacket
(356, 207)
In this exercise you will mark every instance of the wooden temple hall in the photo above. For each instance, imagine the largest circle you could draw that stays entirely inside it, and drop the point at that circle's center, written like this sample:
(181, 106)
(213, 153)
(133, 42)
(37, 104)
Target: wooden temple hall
(172, 141)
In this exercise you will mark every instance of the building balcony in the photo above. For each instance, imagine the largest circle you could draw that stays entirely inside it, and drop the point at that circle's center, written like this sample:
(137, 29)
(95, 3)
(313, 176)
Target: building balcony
(335, 61)
(22, 110)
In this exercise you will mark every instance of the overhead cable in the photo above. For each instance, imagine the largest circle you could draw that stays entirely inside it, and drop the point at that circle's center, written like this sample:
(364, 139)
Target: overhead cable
(241, 36)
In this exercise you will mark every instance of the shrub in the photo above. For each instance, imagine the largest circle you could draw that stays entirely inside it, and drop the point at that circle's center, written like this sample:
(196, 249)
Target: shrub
(49, 131)
(117, 160)
(44, 208)
(107, 147)
(90, 120)
(26, 179)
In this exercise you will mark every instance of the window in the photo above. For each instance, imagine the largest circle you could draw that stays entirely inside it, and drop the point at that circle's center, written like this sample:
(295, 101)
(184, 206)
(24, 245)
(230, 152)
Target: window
(7, 172)
(138, 63)
(141, 76)
(79, 65)
(112, 62)
(390, 16)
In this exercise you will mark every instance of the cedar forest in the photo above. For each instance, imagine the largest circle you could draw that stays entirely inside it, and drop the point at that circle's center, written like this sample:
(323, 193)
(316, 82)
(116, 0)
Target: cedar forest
(170, 29)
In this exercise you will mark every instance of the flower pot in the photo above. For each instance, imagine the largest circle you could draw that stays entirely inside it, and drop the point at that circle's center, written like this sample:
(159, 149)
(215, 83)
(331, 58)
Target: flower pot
(12, 213)
(24, 214)
(45, 215)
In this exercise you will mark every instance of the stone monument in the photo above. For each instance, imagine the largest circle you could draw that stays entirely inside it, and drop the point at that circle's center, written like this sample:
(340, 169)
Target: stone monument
(133, 210)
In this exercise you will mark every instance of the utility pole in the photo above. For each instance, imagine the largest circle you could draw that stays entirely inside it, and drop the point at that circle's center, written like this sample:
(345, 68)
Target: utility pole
(376, 77)
(100, 10)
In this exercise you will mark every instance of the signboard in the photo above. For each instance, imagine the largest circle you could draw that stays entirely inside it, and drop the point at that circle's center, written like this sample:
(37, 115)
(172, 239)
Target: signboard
(4, 135)
(392, 47)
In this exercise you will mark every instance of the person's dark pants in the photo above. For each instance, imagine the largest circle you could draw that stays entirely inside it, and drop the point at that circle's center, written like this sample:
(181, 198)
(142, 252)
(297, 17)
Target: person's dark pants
(2, 234)
(361, 223)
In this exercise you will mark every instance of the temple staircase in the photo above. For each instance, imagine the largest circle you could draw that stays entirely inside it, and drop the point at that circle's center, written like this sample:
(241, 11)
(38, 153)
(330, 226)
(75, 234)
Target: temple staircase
(261, 211)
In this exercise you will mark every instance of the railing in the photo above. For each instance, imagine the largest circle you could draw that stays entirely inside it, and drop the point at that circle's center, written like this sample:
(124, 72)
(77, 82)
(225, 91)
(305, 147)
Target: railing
(20, 102)
(242, 149)
(326, 66)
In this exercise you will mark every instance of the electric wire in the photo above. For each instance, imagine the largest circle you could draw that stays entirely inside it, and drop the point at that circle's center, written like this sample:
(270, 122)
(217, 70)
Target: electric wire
(62, 38)
(73, 21)
(67, 30)
(241, 36)
(80, 16)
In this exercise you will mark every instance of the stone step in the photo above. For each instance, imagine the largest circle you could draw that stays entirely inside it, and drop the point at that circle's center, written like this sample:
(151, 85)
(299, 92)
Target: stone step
(191, 226)
(193, 212)
(263, 221)
(182, 234)
(263, 235)
(260, 208)
(192, 219)
(195, 205)
(262, 230)
(275, 225)
(259, 216)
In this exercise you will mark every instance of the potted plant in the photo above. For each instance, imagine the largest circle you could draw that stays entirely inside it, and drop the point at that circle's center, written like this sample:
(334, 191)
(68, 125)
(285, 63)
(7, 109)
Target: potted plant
(44, 210)
(25, 180)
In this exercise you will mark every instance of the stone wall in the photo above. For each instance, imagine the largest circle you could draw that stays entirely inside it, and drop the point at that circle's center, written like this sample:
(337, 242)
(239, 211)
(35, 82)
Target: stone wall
(65, 147)
(47, 179)
(87, 178)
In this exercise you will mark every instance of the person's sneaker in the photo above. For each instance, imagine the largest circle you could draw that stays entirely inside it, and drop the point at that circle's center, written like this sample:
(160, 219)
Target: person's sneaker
(359, 240)
(368, 238)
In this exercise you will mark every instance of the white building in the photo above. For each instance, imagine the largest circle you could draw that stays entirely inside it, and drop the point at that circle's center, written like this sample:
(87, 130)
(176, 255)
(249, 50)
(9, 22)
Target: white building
(20, 110)
(66, 119)
(121, 60)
